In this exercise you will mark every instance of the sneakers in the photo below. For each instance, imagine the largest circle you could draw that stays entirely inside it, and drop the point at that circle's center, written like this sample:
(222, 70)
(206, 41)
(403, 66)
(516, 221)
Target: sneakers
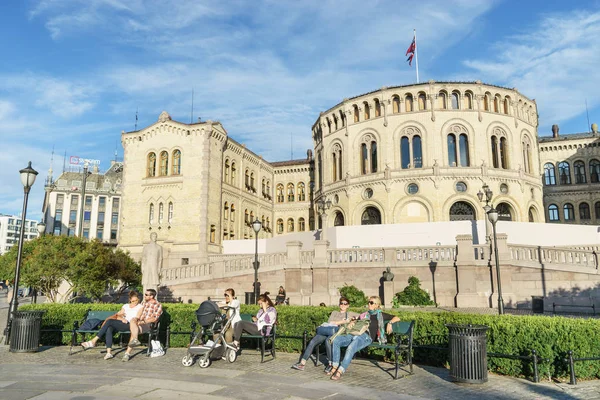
(134, 343)
(157, 353)
(108, 356)
(298, 366)
(126, 357)
(88, 345)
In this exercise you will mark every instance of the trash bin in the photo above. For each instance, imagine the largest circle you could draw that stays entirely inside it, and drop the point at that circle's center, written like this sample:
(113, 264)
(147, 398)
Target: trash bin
(468, 353)
(25, 331)
(537, 304)
(250, 298)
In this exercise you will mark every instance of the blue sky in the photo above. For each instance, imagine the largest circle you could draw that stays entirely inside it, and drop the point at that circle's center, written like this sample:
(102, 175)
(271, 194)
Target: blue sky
(74, 72)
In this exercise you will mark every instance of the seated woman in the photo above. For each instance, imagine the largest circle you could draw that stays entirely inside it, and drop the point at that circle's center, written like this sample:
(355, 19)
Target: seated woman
(118, 322)
(377, 331)
(280, 298)
(266, 316)
(234, 312)
(336, 318)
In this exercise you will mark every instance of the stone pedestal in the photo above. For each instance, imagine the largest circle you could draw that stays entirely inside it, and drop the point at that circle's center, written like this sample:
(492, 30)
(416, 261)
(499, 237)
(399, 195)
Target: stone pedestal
(388, 294)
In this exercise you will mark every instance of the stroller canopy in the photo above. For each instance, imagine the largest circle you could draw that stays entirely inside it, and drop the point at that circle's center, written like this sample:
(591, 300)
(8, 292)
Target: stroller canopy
(207, 313)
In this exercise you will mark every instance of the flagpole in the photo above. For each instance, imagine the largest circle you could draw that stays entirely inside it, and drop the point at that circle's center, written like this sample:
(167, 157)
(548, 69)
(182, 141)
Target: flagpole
(416, 54)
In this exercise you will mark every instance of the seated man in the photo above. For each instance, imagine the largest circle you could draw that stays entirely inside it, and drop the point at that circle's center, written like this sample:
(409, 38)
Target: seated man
(149, 314)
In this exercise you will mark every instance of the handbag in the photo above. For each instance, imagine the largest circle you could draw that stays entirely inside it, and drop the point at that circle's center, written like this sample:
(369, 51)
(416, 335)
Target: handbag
(327, 330)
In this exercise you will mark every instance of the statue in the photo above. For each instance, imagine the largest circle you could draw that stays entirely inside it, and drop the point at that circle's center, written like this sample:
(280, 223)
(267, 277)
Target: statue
(152, 258)
(388, 275)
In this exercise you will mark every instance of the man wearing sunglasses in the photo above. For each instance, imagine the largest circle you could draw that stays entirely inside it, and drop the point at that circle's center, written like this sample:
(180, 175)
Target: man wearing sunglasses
(149, 314)
(336, 318)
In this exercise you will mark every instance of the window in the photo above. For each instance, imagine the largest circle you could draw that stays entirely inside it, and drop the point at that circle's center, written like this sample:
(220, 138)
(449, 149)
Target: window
(452, 150)
(101, 202)
(88, 201)
(336, 163)
(584, 211)
(86, 233)
(247, 179)
(549, 174)
(564, 173)
(339, 219)
(496, 104)
(74, 200)
(371, 216)
(100, 218)
(462, 211)
(247, 217)
(367, 110)
(412, 188)
(301, 192)
(528, 165)
(290, 225)
(506, 105)
(177, 162)
(495, 151)
(252, 181)
(404, 152)
(151, 214)
(532, 215)
(486, 102)
(597, 209)
(442, 102)
(115, 219)
(422, 102)
(100, 234)
(71, 232)
(579, 170)
(355, 112)
(57, 223)
(396, 104)
(232, 213)
(499, 150)
(151, 165)
(226, 172)
(460, 153)
(504, 212)
(113, 234)
(115, 203)
(461, 187)
(170, 215)
(290, 192)
(251, 217)
(368, 193)
(161, 213)
(233, 173)
(595, 171)
(72, 216)
(301, 225)
(455, 101)
(406, 161)
(213, 231)
(279, 225)
(408, 103)
(164, 163)
(469, 101)
(279, 193)
(569, 212)
(377, 108)
(263, 186)
(268, 192)
(226, 211)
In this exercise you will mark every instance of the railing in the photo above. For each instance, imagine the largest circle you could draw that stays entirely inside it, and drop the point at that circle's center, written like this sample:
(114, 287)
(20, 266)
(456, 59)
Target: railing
(188, 271)
(416, 254)
(306, 257)
(583, 257)
(239, 262)
(355, 256)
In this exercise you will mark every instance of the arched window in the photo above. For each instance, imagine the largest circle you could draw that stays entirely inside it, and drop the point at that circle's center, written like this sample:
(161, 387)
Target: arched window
(328, 124)
(226, 172)
(339, 219)
(336, 166)
(232, 213)
(486, 102)
(463, 144)
(247, 179)
(251, 220)
(301, 191)
(262, 221)
(151, 214)
(569, 212)
(279, 194)
(368, 155)
(364, 158)
(247, 217)
(455, 101)
(597, 210)
(176, 162)
(342, 118)
(213, 231)
(452, 161)
(395, 104)
(506, 105)
(335, 122)
(161, 213)
(290, 192)
(268, 192)
(417, 152)
(404, 152)
(594, 171)
(526, 146)
(252, 181)
(226, 211)
(503, 153)
(549, 174)
(532, 215)
(279, 225)
(497, 104)
(367, 110)
(263, 186)
(422, 102)
(411, 157)
(290, 225)
(225, 234)
(268, 224)
(170, 213)
(355, 111)
(469, 101)
(462, 211)
(564, 173)
(164, 163)
(495, 151)
(408, 103)
(504, 212)
(311, 223)
(233, 173)
(553, 213)
(584, 211)
(371, 216)
(579, 170)
(377, 108)
(301, 225)
(442, 102)
(151, 167)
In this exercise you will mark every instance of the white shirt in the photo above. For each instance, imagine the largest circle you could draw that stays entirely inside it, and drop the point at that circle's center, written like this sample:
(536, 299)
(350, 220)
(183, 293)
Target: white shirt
(235, 303)
(131, 312)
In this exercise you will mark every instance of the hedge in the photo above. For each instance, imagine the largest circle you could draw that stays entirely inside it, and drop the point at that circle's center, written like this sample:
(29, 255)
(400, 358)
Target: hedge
(551, 337)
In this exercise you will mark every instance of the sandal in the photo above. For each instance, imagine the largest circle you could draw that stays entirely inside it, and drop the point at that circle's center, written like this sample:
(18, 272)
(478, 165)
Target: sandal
(88, 345)
(108, 356)
(337, 376)
(331, 371)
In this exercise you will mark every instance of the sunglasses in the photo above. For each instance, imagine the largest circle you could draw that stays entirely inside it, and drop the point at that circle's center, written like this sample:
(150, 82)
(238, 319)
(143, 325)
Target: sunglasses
(147, 294)
(343, 303)
(225, 294)
(372, 302)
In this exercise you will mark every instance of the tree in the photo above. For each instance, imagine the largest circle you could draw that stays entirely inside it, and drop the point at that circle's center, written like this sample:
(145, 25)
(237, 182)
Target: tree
(413, 295)
(89, 268)
(355, 296)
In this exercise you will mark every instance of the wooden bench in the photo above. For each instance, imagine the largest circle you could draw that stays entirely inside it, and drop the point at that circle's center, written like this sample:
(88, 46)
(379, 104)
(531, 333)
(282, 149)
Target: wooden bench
(264, 340)
(402, 331)
(102, 315)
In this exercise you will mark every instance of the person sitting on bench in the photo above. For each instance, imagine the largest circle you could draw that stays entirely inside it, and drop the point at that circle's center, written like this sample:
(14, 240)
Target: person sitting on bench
(266, 316)
(142, 323)
(120, 322)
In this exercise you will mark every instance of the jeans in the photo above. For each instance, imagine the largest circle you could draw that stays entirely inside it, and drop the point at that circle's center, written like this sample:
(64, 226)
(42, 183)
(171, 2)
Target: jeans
(108, 329)
(246, 326)
(317, 340)
(354, 344)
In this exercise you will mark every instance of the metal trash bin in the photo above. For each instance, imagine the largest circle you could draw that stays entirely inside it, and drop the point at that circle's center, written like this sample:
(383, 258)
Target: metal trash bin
(25, 331)
(537, 304)
(250, 298)
(468, 353)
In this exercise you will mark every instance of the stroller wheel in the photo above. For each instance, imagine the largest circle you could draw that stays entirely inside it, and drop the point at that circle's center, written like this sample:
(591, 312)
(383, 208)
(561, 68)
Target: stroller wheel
(204, 362)
(231, 355)
(187, 360)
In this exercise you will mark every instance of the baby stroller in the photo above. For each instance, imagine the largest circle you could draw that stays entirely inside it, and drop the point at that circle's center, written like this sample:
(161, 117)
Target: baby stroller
(212, 323)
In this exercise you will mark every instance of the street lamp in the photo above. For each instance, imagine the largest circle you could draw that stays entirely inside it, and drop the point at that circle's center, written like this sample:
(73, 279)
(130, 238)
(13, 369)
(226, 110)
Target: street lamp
(27, 179)
(323, 204)
(85, 175)
(488, 198)
(41, 228)
(256, 226)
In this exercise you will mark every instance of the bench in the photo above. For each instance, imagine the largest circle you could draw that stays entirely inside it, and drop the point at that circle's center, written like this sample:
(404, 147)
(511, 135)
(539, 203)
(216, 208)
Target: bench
(102, 315)
(264, 340)
(402, 331)
(554, 305)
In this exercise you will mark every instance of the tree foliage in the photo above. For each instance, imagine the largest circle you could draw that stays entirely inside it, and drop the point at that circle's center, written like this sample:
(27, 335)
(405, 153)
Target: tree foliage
(355, 296)
(413, 295)
(88, 267)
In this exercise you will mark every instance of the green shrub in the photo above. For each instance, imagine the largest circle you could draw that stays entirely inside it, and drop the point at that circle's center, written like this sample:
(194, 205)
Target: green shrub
(355, 296)
(412, 295)
(551, 337)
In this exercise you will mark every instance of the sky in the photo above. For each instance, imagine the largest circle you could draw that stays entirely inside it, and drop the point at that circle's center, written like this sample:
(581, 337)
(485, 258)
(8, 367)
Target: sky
(74, 73)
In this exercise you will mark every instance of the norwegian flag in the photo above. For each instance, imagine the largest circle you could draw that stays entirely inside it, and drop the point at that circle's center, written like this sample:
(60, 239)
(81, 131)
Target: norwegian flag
(411, 50)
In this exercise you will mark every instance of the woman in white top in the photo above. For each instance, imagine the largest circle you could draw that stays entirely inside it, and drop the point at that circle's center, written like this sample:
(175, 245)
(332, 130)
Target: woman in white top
(234, 312)
(118, 322)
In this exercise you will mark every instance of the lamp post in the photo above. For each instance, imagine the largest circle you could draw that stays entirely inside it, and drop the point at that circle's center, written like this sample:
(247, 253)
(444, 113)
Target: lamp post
(488, 198)
(492, 215)
(256, 226)
(85, 174)
(41, 228)
(323, 204)
(28, 176)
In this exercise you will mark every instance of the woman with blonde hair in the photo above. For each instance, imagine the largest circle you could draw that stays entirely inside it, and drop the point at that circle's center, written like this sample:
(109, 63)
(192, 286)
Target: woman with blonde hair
(380, 323)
